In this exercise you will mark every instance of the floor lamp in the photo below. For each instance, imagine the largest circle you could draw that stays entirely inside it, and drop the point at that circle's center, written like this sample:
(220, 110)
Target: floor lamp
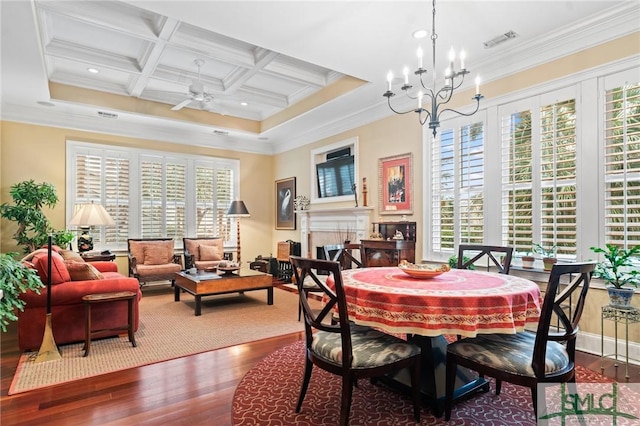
(48, 349)
(238, 210)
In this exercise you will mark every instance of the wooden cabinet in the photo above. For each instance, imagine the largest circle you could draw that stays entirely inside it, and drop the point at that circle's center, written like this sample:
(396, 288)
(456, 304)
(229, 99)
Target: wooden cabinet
(388, 229)
(387, 252)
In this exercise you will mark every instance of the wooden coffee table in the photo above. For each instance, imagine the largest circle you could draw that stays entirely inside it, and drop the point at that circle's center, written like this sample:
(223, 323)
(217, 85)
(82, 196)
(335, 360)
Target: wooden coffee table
(209, 284)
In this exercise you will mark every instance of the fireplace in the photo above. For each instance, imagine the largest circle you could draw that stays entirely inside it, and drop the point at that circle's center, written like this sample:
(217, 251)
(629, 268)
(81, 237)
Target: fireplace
(319, 227)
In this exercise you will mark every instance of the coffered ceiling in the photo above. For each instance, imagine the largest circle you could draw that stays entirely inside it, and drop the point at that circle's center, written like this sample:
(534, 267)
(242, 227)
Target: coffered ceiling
(260, 76)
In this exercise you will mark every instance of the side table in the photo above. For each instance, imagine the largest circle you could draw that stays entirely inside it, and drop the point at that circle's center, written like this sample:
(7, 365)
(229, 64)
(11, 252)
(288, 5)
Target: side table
(626, 317)
(97, 257)
(90, 299)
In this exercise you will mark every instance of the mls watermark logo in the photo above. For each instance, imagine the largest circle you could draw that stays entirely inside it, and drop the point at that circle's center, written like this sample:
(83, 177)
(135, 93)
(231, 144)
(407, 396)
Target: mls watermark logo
(589, 404)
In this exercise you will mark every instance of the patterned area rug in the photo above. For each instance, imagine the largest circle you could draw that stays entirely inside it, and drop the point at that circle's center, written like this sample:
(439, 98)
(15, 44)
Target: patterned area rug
(269, 391)
(168, 330)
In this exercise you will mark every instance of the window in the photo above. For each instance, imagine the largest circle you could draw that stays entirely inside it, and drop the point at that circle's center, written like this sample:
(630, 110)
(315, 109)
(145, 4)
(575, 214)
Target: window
(334, 172)
(458, 186)
(151, 194)
(539, 199)
(622, 163)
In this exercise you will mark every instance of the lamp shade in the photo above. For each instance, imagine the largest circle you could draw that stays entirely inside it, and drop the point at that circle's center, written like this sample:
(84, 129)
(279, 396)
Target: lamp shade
(238, 209)
(92, 215)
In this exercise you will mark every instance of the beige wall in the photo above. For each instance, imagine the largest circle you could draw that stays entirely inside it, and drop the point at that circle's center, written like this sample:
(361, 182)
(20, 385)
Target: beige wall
(38, 153)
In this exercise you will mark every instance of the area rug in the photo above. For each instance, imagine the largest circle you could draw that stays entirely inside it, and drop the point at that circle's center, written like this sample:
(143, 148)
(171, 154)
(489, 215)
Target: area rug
(268, 394)
(168, 330)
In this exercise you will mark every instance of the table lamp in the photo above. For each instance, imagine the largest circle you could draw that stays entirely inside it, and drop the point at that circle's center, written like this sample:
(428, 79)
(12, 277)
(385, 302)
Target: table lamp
(86, 216)
(238, 210)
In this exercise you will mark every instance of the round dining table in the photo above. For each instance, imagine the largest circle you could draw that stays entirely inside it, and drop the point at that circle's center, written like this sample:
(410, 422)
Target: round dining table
(455, 303)
(458, 302)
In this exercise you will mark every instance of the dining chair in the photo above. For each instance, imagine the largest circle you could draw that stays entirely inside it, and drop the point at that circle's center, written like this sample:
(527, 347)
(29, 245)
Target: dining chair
(351, 351)
(528, 358)
(479, 251)
(343, 254)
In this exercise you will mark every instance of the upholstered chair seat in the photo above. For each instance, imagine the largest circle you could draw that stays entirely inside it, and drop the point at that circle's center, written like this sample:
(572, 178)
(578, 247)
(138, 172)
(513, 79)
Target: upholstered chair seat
(511, 353)
(370, 347)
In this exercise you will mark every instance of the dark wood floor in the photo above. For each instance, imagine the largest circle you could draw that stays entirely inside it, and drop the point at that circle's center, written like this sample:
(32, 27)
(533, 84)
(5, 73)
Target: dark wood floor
(192, 390)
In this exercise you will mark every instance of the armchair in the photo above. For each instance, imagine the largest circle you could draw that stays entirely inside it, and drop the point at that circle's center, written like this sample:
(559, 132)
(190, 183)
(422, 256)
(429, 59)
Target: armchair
(201, 253)
(153, 259)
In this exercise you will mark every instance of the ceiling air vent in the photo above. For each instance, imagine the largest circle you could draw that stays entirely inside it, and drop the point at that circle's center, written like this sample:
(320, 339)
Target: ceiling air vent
(220, 133)
(105, 114)
(509, 35)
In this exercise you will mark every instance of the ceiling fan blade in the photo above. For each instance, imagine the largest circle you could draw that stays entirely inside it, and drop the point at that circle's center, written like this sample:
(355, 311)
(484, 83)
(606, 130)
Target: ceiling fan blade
(181, 105)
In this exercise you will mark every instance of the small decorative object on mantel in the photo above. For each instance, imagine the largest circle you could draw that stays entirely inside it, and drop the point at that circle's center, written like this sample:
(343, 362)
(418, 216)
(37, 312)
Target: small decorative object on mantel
(364, 192)
(301, 202)
(619, 273)
(354, 188)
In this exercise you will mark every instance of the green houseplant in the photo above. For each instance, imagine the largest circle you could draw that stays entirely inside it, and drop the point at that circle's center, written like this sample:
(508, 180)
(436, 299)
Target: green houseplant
(617, 270)
(548, 254)
(15, 279)
(29, 198)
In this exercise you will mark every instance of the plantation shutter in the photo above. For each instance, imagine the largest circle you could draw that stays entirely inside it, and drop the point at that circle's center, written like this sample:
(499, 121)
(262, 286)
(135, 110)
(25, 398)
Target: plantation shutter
(163, 197)
(558, 177)
(442, 205)
(517, 180)
(622, 163)
(471, 190)
(224, 196)
(102, 177)
(206, 214)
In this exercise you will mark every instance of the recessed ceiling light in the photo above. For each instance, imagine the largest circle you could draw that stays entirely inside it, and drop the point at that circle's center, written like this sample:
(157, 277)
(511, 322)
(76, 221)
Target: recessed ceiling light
(93, 70)
(46, 103)
(420, 34)
(263, 138)
(244, 103)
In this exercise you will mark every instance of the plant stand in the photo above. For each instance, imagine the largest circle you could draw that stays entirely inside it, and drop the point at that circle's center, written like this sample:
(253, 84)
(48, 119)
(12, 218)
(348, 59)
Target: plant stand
(617, 315)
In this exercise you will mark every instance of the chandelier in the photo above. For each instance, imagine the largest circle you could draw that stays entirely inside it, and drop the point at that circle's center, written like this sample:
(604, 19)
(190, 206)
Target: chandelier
(436, 98)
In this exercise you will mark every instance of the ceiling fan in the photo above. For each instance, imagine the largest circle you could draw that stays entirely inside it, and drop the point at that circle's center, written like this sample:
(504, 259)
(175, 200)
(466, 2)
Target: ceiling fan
(196, 92)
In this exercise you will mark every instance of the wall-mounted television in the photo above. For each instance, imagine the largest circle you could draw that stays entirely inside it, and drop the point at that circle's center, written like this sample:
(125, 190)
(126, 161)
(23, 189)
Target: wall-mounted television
(336, 176)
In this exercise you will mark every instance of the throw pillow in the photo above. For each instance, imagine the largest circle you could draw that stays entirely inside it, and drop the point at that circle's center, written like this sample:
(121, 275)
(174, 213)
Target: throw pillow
(59, 272)
(71, 255)
(210, 253)
(158, 253)
(82, 271)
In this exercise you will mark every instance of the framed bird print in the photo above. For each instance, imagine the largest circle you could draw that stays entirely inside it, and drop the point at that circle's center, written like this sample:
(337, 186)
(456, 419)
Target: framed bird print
(285, 194)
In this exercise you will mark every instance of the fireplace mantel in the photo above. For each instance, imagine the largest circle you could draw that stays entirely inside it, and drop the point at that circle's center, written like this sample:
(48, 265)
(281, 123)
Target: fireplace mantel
(317, 225)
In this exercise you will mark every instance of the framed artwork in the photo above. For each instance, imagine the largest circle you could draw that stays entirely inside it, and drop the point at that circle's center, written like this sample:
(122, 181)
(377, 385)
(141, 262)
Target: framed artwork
(396, 184)
(285, 194)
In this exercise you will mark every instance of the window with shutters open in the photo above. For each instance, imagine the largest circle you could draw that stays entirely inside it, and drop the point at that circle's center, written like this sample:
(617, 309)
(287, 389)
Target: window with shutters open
(457, 208)
(152, 194)
(539, 198)
(102, 176)
(622, 161)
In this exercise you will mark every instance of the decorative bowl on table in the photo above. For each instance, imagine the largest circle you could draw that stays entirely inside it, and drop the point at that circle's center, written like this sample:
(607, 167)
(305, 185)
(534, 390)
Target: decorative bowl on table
(423, 271)
(228, 267)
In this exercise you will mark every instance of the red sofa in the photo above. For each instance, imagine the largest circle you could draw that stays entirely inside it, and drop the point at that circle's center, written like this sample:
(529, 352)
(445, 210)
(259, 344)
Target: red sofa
(67, 308)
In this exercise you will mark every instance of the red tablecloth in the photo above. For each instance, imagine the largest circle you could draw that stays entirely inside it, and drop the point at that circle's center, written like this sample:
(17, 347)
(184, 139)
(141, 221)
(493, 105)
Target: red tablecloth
(457, 302)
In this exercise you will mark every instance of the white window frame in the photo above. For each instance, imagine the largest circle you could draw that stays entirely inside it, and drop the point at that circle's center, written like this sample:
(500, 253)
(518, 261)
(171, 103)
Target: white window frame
(135, 155)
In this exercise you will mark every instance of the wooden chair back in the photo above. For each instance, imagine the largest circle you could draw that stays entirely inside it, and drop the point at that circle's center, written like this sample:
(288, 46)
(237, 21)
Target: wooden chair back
(344, 255)
(475, 252)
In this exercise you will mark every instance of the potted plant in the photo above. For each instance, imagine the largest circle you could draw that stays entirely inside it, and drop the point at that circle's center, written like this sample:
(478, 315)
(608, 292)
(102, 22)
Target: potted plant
(453, 262)
(618, 271)
(34, 228)
(15, 279)
(548, 254)
(527, 260)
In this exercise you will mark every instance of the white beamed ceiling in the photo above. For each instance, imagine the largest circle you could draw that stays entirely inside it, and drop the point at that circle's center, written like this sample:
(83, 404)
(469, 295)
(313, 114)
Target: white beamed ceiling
(277, 57)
